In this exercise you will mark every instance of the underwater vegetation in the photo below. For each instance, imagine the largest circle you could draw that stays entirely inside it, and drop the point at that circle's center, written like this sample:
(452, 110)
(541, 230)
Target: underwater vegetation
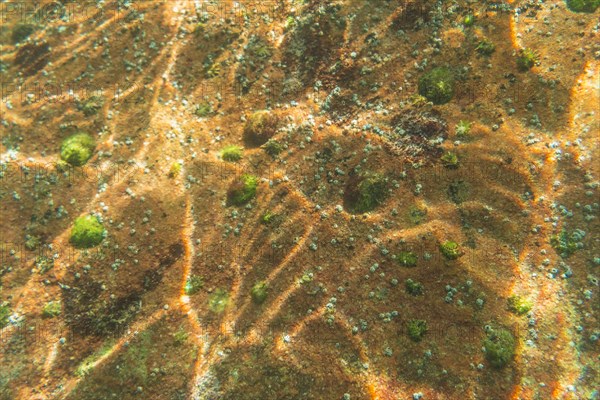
(90, 106)
(414, 288)
(499, 346)
(193, 284)
(218, 301)
(87, 232)
(231, 153)
(175, 169)
(259, 292)
(407, 259)
(272, 147)
(4, 314)
(366, 191)
(203, 110)
(77, 149)
(450, 160)
(52, 309)
(437, 85)
(242, 190)
(450, 250)
(526, 59)
(417, 329)
(566, 243)
(519, 305)
(586, 6)
(260, 127)
(485, 47)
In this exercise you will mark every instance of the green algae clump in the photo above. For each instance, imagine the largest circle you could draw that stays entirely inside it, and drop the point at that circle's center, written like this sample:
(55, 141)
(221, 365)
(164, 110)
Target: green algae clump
(585, 6)
(370, 192)
(87, 232)
(272, 147)
(526, 60)
(407, 259)
(260, 127)
(193, 284)
(485, 47)
(231, 153)
(218, 301)
(4, 314)
(450, 250)
(417, 329)
(259, 292)
(450, 160)
(77, 149)
(414, 288)
(566, 243)
(499, 347)
(519, 305)
(437, 85)
(242, 190)
(51, 309)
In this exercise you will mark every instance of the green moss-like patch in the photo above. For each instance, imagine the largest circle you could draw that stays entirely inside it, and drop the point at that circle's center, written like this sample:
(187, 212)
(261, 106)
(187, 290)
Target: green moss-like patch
(242, 190)
(450, 250)
(499, 347)
(463, 128)
(259, 292)
(414, 288)
(366, 193)
(218, 301)
(566, 243)
(526, 59)
(417, 214)
(260, 127)
(44, 264)
(485, 47)
(90, 106)
(272, 147)
(519, 305)
(52, 309)
(586, 6)
(77, 149)
(407, 259)
(175, 169)
(231, 153)
(193, 284)
(469, 20)
(417, 329)
(268, 217)
(458, 191)
(4, 314)
(87, 232)
(437, 85)
(450, 160)
(203, 110)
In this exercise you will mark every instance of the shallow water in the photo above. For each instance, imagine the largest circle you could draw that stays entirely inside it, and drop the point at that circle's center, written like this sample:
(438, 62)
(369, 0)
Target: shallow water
(299, 200)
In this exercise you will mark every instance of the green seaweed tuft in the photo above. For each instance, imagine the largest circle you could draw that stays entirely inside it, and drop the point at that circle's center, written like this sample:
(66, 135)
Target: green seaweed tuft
(77, 149)
(242, 190)
(218, 301)
(499, 347)
(417, 329)
(259, 292)
(231, 153)
(437, 85)
(450, 250)
(584, 6)
(87, 232)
